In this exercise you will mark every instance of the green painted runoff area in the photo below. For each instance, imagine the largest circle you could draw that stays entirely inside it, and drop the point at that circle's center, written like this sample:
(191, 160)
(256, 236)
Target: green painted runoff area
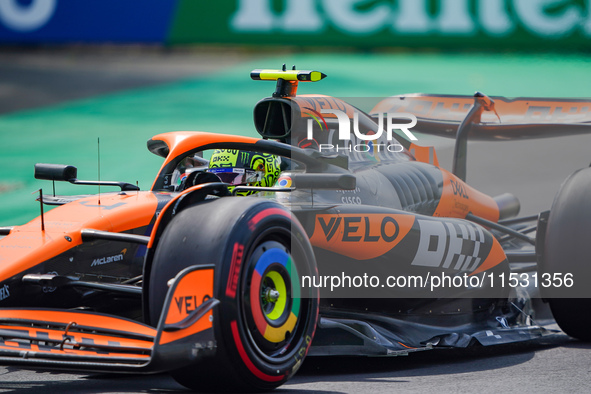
(222, 102)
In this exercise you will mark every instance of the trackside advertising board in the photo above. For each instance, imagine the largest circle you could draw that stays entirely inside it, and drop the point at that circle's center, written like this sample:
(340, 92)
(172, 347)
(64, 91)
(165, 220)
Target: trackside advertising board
(496, 24)
(85, 21)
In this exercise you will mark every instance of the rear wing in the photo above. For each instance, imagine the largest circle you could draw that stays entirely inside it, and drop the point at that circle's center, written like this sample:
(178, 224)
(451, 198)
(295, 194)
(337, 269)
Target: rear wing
(502, 119)
(484, 118)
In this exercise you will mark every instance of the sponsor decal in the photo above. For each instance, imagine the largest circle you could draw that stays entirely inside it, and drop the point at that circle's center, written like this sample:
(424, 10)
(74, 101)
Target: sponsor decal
(4, 292)
(191, 290)
(557, 113)
(187, 304)
(234, 270)
(23, 17)
(284, 181)
(309, 144)
(351, 200)
(222, 158)
(51, 289)
(299, 356)
(511, 111)
(356, 190)
(107, 207)
(459, 189)
(358, 228)
(498, 19)
(461, 207)
(109, 259)
(361, 236)
(456, 246)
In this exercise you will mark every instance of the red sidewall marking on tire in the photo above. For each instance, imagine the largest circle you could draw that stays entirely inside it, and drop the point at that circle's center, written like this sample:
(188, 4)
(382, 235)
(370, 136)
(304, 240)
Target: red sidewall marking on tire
(249, 364)
(271, 211)
(263, 214)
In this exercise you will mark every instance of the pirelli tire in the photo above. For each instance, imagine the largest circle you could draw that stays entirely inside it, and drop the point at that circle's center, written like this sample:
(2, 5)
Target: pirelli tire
(264, 324)
(565, 269)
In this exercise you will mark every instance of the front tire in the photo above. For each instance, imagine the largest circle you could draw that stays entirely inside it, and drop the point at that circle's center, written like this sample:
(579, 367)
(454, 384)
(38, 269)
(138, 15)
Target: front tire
(264, 324)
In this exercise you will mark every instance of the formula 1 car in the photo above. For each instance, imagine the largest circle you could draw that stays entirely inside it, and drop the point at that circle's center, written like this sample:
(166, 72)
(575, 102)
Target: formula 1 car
(364, 246)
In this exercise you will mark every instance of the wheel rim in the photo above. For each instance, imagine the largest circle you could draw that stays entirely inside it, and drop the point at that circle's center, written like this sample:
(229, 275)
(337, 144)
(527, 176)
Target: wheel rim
(272, 299)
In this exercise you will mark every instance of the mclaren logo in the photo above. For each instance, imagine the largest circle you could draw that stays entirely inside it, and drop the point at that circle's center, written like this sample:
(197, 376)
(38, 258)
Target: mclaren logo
(4, 292)
(109, 259)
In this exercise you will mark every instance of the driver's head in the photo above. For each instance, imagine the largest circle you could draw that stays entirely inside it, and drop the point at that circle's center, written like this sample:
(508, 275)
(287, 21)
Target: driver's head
(237, 167)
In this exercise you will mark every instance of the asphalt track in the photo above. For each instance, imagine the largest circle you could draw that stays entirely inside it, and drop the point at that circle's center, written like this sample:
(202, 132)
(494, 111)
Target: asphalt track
(55, 104)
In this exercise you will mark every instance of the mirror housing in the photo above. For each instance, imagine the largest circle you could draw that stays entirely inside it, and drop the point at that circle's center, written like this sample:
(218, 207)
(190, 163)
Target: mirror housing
(61, 172)
(55, 172)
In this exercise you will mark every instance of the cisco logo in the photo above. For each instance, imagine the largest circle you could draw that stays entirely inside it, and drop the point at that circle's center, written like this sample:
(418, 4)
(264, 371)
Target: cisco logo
(25, 16)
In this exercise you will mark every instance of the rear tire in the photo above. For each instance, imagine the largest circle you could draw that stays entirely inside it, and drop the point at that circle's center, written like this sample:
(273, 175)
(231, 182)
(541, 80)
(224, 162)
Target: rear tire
(567, 248)
(572, 315)
(263, 326)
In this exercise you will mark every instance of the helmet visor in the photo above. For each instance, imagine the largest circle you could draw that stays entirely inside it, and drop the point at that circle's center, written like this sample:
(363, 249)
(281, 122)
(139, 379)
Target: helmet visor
(237, 176)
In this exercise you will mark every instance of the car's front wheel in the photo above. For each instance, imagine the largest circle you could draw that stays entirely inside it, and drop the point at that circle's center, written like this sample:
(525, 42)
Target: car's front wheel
(265, 322)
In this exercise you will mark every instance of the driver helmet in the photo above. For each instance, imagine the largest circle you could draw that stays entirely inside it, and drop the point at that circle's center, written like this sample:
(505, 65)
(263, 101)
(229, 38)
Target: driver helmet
(244, 168)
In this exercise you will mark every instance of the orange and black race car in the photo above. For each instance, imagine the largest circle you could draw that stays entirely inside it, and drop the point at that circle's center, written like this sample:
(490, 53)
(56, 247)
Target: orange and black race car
(346, 238)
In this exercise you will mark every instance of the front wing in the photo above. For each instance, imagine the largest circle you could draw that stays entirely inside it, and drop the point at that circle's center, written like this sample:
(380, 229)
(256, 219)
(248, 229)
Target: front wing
(92, 342)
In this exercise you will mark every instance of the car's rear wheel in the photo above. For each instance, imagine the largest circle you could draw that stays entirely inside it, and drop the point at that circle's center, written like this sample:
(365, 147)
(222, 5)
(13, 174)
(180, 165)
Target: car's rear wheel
(264, 324)
(565, 269)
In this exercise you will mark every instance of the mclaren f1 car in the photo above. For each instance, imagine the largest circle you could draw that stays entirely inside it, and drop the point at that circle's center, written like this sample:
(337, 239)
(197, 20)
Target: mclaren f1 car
(364, 245)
